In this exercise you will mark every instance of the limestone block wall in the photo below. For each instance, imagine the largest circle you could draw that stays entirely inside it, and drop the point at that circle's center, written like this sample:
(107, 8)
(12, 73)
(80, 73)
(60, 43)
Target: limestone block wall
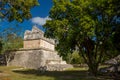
(39, 43)
(28, 59)
(45, 44)
(31, 44)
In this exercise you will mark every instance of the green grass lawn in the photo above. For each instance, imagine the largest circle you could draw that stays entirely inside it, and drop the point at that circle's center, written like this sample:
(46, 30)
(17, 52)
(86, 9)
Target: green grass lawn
(7, 73)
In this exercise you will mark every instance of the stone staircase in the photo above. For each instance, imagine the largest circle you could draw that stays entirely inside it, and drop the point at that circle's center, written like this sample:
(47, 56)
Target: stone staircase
(53, 62)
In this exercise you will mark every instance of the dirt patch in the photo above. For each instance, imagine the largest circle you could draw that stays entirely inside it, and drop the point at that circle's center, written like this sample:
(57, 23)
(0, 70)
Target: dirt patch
(5, 79)
(4, 74)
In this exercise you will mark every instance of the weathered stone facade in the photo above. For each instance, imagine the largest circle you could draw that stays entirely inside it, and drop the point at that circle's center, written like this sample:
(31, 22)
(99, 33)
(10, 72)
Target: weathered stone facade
(38, 52)
(35, 39)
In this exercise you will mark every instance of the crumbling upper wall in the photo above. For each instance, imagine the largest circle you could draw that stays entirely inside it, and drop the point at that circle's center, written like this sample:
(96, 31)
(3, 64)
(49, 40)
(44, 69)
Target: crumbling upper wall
(34, 34)
(35, 39)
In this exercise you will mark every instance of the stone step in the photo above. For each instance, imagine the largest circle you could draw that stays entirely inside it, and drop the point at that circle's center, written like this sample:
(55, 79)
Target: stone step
(58, 67)
(55, 67)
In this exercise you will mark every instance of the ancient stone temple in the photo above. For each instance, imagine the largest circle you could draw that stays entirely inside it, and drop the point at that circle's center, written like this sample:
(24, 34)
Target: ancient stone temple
(38, 52)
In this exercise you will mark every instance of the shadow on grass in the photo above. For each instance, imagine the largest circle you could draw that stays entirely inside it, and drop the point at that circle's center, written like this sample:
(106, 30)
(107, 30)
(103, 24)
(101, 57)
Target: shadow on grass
(1, 71)
(66, 75)
(59, 75)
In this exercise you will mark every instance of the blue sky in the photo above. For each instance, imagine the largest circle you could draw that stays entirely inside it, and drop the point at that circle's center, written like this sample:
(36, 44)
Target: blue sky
(39, 16)
(43, 9)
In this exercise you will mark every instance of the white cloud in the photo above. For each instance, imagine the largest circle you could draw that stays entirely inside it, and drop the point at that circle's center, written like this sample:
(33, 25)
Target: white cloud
(39, 20)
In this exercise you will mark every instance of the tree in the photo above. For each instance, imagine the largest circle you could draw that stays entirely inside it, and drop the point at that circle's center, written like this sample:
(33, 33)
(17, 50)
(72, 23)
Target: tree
(73, 58)
(86, 25)
(11, 10)
(11, 41)
(16, 9)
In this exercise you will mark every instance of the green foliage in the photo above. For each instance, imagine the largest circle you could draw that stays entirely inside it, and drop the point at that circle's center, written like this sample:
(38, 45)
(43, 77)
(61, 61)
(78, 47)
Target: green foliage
(86, 25)
(73, 58)
(11, 40)
(12, 43)
(16, 9)
(76, 58)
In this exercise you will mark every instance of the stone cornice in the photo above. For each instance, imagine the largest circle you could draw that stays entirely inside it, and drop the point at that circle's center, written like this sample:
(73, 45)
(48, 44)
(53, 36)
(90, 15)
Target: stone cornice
(45, 39)
(29, 49)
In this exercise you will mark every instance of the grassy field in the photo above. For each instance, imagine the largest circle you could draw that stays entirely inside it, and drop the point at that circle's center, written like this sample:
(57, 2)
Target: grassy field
(10, 73)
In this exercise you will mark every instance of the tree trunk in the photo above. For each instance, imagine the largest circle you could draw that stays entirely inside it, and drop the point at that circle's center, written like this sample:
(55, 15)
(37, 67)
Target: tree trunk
(93, 68)
(7, 59)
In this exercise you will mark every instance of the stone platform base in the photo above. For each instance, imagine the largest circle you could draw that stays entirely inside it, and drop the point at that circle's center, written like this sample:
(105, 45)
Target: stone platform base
(38, 59)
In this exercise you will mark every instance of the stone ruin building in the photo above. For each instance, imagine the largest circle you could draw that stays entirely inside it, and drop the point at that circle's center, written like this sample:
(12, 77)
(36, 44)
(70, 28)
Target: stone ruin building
(38, 52)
